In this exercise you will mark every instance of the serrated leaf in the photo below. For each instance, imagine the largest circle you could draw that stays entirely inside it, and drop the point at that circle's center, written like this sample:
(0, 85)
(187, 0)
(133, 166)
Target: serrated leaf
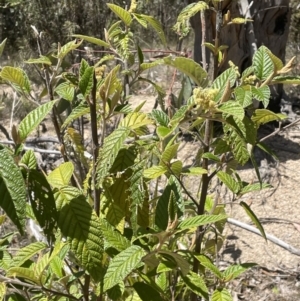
(254, 219)
(111, 84)
(254, 187)
(190, 68)
(179, 115)
(147, 292)
(91, 40)
(176, 167)
(243, 95)
(65, 90)
(115, 215)
(80, 225)
(278, 64)
(211, 156)
(25, 273)
(236, 270)
(112, 144)
(196, 284)
(229, 181)
(121, 13)
(155, 172)
(162, 282)
(221, 294)
(112, 237)
(200, 220)
(161, 212)
(61, 176)
(135, 121)
(86, 81)
(169, 153)
(2, 45)
(160, 117)
(232, 108)
(286, 79)
(33, 119)
(262, 93)
(156, 26)
(17, 77)
(80, 110)
(180, 262)
(42, 203)
(27, 252)
(122, 265)
(221, 82)
(29, 159)
(206, 262)
(65, 49)
(41, 60)
(262, 63)
(12, 190)
(193, 171)
(262, 116)
(163, 131)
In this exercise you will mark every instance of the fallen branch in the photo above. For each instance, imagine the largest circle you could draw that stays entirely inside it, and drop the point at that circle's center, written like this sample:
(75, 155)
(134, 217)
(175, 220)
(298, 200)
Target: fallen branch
(271, 238)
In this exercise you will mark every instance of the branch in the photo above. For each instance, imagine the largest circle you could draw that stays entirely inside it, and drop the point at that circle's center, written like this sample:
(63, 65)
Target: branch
(270, 237)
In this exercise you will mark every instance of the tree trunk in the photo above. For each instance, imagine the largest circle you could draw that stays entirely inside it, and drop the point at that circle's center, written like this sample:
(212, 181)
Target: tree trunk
(270, 27)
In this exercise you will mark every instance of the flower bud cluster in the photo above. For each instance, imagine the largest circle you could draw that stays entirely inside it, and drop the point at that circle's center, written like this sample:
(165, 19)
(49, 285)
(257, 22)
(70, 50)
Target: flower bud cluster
(204, 99)
(250, 80)
(99, 71)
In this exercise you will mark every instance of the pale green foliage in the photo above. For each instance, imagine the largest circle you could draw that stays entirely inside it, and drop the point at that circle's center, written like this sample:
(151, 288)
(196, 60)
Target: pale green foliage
(124, 239)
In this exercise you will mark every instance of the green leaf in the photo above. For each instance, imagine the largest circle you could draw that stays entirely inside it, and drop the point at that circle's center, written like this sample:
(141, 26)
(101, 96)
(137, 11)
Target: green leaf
(12, 190)
(64, 50)
(160, 117)
(27, 252)
(91, 40)
(236, 270)
(135, 121)
(267, 150)
(80, 110)
(29, 159)
(221, 294)
(254, 187)
(66, 91)
(163, 132)
(156, 26)
(278, 64)
(254, 219)
(86, 81)
(262, 116)
(169, 153)
(80, 225)
(33, 119)
(2, 45)
(211, 156)
(41, 60)
(243, 95)
(221, 81)
(172, 207)
(42, 203)
(17, 77)
(262, 63)
(112, 237)
(286, 79)
(229, 181)
(262, 93)
(179, 115)
(121, 13)
(112, 145)
(196, 284)
(200, 220)
(162, 282)
(206, 262)
(194, 171)
(147, 292)
(3, 289)
(190, 68)
(232, 108)
(61, 176)
(155, 172)
(25, 273)
(122, 265)
(180, 262)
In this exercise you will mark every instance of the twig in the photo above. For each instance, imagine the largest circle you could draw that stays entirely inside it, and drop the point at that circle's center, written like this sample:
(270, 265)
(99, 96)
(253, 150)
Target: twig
(270, 237)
